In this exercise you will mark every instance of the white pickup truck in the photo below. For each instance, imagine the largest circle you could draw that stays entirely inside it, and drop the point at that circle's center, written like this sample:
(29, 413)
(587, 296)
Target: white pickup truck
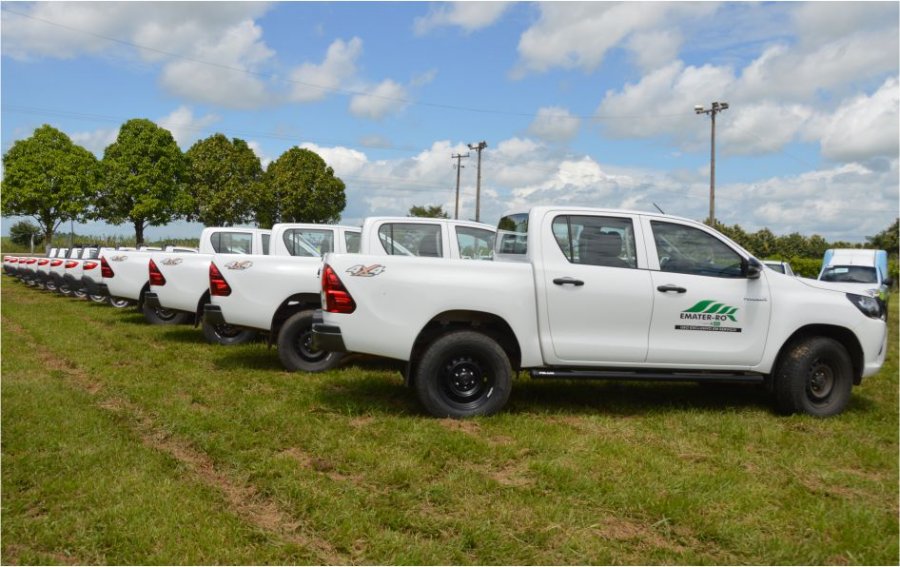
(603, 294)
(279, 295)
(126, 277)
(179, 283)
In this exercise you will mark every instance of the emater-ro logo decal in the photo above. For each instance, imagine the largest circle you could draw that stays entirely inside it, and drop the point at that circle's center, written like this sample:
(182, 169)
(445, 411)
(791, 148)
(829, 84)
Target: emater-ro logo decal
(171, 261)
(365, 271)
(239, 265)
(711, 311)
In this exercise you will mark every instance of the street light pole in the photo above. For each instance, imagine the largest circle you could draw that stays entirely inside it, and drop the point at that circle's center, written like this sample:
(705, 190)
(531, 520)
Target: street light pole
(716, 108)
(478, 147)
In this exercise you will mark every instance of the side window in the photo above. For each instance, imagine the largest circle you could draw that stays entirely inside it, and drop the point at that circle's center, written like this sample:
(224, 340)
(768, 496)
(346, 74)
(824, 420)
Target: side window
(231, 242)
(411, 239)
(474, 243)
(351, 239)
(265, 244)
(687, 250)
(596, 241)
(308, 242)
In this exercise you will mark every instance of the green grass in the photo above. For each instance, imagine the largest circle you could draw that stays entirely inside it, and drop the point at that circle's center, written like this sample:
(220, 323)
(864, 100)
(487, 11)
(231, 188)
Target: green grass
(129, 443)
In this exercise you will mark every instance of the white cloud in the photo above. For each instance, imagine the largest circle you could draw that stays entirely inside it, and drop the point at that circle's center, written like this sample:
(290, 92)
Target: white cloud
(579, 34)
(470, 16)
(654, 48)
(386, 98)
(96, 141)
(264, 158)
(238, 49)
(344, 161)
(185, 128)
(865, 126)
(225, 36)
(555, 124)
(313, 82)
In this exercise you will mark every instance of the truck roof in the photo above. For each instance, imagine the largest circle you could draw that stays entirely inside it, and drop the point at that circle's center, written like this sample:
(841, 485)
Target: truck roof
(430, 220)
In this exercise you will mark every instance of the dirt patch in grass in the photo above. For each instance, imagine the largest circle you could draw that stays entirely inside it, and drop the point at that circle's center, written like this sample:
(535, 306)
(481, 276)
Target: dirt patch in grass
(242, 499)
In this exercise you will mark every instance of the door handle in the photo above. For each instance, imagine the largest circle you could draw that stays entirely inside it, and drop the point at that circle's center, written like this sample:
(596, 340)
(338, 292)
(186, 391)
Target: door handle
(670, 287)
(568, 281)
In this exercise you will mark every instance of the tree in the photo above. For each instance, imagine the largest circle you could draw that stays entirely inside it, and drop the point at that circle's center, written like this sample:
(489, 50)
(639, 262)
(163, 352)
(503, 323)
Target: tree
(301, 188)
(428, 211)
(49, 178)
(23, 232)
(887, 239)
(225, 179)
(143, 178)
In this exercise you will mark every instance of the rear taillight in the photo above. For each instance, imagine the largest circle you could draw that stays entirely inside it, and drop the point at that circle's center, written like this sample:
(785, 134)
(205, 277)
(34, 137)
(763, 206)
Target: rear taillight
(13, 260)
(217, 284)
(31, 261)
(335, 295)
(156, 277)
(90, 265)
(43, 262)
(105, 270)
(71, 264)
(56, 263)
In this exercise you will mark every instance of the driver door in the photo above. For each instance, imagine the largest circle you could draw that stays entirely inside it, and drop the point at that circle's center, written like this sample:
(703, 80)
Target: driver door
(705, 310)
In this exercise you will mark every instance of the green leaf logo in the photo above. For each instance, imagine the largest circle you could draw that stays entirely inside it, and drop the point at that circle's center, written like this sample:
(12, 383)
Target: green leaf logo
(712, 307)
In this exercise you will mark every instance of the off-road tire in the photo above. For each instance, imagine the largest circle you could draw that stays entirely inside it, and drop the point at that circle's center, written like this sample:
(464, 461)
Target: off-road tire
(226, 334)
(463, 374)
(162, 316)
(295, 349)
(813, 376)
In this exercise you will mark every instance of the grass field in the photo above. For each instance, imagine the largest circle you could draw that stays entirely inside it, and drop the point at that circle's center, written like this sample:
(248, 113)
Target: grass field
(127, 443)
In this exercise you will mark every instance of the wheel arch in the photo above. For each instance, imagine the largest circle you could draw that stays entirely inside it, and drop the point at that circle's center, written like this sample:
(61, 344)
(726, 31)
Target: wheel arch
(489, 324)
(293, 304)
(842, 335)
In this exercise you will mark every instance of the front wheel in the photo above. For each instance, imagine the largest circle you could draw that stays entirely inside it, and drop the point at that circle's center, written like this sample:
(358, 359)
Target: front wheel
(815, 377)
(463, 374)
(163, 316)
(225, 334)
(97, 298)
(295, 349)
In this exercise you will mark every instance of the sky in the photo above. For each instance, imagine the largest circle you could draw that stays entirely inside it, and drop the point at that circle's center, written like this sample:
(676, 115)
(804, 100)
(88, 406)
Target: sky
(580, 104)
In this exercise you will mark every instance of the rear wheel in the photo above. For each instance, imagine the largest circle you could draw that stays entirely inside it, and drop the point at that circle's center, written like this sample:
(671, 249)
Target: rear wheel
(79, 293)
(463, 374)
(97, 298)
(163, 316)
(295, 349)
(118, 302)
(225, 334)
(814, 376)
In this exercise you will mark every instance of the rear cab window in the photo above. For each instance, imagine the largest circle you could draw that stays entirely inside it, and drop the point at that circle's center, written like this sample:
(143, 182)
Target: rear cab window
(512, 236)
(308, 242)
(411, 239)
(474, 243)
(232, 242)
(596, 240)
(351, 241)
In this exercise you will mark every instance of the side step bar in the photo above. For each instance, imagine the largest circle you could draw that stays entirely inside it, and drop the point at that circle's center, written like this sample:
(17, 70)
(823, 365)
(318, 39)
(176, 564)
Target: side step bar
(662, 376)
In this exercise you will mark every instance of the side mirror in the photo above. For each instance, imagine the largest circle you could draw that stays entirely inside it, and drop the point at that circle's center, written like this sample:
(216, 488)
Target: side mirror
(752, 269)
(889, 282)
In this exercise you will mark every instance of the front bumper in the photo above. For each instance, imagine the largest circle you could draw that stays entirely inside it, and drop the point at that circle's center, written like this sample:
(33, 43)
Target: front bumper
(326, 337)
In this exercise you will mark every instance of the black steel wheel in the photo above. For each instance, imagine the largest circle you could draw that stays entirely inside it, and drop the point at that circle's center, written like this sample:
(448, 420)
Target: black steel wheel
(814, 376)
(463, 374)
(295, 348)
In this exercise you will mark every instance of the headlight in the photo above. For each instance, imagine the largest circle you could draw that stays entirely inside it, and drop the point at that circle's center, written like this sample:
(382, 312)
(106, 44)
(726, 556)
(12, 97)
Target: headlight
(870, 306)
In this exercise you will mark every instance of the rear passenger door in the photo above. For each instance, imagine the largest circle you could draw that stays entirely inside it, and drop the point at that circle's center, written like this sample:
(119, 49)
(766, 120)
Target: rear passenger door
(597, 288)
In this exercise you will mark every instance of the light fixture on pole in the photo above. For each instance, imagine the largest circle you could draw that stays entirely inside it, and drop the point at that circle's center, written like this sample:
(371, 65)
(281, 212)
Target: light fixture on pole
(478, 147)
(715, 108)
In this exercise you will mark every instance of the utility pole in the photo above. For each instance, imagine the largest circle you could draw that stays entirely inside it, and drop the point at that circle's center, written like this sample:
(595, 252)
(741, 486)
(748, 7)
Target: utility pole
(716, 108)
(478, 147)
(458, 158)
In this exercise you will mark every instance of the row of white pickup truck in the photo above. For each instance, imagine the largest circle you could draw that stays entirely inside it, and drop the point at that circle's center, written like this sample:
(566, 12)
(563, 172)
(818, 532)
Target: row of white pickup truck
(565, 293)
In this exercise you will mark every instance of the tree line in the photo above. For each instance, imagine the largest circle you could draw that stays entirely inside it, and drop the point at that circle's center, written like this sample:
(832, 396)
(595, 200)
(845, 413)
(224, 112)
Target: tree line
(144, 179)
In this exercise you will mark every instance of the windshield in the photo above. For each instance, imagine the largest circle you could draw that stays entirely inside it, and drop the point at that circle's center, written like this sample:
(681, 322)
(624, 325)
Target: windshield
(849, 274)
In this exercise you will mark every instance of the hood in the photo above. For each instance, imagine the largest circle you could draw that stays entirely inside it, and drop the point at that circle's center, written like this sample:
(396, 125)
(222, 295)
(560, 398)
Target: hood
(869, 289)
